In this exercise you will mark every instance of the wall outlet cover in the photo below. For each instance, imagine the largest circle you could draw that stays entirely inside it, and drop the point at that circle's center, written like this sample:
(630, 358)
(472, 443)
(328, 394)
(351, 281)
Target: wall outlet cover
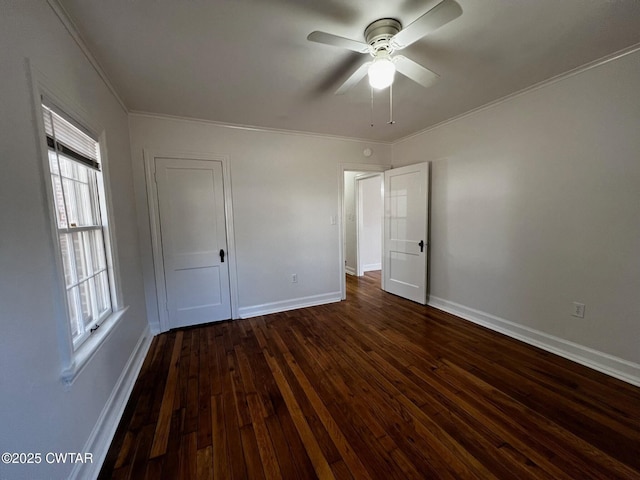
(578, 310)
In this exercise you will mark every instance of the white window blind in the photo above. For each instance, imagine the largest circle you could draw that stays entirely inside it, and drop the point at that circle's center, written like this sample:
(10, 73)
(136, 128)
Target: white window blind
(70, 137)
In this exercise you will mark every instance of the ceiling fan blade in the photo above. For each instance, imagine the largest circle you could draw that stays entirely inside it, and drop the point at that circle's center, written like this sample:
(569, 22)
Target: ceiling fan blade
(441, 12)
(354, 79)
(415, 71)
(336, 41)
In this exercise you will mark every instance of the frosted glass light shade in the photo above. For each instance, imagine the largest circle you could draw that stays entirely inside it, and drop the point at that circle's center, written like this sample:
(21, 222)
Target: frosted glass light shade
(381, 72)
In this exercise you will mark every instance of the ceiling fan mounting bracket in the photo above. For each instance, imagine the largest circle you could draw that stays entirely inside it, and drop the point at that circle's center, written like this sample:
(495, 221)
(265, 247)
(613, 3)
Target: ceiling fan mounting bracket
(379, 33)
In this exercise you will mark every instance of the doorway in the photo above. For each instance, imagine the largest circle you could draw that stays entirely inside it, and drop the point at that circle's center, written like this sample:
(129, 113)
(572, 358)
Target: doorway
(349, 222)
(192, 239)
(405, 239)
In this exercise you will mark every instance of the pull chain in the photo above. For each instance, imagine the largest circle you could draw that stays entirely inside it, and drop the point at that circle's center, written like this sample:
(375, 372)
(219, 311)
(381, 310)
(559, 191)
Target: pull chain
(372, 106)
(391, 120)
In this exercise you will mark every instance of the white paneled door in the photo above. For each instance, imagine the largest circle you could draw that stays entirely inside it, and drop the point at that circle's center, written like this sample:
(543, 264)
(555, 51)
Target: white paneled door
(193, 238)
(406, 194)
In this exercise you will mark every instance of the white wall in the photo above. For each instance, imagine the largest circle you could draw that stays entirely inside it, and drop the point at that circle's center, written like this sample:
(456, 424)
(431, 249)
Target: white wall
(350, 234)
(371, 223)
(285, 188)
(36, 413)
(536, 204)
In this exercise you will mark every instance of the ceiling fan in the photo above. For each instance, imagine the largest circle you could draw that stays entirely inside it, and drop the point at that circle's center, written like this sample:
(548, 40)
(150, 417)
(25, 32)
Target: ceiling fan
(385, 36)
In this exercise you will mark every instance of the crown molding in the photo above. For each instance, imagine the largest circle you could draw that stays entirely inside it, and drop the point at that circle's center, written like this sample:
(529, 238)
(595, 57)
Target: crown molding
(253, 128)
(544, 83)
(73, 30)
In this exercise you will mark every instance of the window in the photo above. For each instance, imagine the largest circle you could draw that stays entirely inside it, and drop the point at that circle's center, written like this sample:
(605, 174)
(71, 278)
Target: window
(76, 180)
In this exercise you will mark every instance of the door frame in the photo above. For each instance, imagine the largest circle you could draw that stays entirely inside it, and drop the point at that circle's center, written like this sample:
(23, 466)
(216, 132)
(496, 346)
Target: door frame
(360, 213)
(342, 168)
(154, 226)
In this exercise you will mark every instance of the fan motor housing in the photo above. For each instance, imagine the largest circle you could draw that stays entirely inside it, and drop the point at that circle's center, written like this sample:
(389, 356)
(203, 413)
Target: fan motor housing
(378, 33)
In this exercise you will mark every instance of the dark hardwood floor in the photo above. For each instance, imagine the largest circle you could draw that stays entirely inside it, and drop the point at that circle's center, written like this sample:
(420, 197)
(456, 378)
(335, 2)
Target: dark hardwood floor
(374, 387)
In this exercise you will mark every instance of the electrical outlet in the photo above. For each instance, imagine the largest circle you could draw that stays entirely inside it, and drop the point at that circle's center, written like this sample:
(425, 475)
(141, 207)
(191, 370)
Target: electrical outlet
(578, 310)
(294, 278)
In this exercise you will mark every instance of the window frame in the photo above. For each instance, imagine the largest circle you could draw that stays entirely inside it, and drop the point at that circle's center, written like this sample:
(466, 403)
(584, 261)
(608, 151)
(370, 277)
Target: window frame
(75, 358)
(75, 183)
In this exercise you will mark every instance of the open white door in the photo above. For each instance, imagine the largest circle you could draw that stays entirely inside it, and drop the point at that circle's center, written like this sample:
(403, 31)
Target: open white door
(193, 238)
(406, 196)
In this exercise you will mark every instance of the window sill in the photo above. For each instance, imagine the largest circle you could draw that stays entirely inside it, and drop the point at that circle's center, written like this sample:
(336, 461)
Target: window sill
(90, 347)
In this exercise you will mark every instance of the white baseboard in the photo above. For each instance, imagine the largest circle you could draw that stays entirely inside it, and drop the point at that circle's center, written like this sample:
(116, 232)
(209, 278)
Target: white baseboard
(105, 428)
(283, 306)
(365, 268)
(602, 362)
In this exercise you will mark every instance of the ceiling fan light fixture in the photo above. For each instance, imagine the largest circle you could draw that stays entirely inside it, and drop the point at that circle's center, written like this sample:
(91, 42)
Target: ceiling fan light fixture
(381, 71)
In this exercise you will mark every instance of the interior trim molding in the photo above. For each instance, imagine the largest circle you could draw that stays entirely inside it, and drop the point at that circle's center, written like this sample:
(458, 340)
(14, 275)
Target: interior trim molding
(350, 270)
(531, 88)
(372, 267)
(255, 128)
(103, 431)
(603, 362)
(285, 305)
(73, 30)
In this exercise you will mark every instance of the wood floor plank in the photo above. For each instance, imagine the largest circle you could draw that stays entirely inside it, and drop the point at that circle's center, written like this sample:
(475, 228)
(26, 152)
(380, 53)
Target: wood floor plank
(333, 384)
(204, 464)
(192, 408)
(171, 460)
(376, 406)
(141, 455)
(520, 460)
(125, 448)
(372, 387)
(263, 440)
(180, 402)
(154, 468)
(346, 451)
(234, 439)
(188, 456)
(151, 383)
(124, 439)
(281, 447)
(238, 390)
(295, 449)
(161, 437)
(251, 452)
(221, 461)
(482, 447)
(359, 425)
(341, 470)
(204, 395)
(318, 430)
(320, 464)
(559, 411)
(391, 403)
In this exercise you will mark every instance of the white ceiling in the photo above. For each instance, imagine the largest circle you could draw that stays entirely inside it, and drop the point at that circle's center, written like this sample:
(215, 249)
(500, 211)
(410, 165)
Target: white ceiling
(248, 62)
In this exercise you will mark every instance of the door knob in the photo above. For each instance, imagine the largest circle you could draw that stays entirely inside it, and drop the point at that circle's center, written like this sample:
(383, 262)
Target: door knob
(222, 255)
(421, 245)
